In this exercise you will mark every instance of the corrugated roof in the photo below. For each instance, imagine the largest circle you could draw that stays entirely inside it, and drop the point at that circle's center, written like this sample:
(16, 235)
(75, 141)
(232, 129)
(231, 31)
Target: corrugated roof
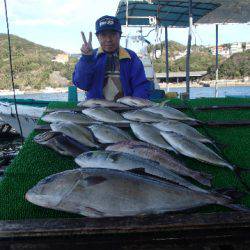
(229, 11)
(175, 13)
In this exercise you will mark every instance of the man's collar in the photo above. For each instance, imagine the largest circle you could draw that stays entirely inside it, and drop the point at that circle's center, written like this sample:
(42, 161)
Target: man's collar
(123, 54)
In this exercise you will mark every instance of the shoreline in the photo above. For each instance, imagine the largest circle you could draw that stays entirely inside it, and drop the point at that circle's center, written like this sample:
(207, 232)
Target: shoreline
(221, 83)
(163, 86)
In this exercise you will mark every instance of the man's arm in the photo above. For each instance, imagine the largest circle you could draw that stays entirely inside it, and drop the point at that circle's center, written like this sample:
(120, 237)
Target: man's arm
(139, 82)
(84, 69)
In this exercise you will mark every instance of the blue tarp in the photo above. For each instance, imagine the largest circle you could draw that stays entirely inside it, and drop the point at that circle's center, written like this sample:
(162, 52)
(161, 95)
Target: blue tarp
(168, 13)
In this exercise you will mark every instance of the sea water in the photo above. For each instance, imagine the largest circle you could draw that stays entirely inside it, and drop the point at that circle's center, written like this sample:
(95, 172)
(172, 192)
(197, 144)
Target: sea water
(194, 93)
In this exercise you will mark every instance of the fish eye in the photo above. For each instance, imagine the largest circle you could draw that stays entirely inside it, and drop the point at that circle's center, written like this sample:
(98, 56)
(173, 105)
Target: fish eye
(89, 154)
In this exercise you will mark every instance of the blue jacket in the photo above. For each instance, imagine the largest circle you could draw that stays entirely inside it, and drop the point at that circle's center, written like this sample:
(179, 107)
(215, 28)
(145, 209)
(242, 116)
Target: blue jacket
(90, 70)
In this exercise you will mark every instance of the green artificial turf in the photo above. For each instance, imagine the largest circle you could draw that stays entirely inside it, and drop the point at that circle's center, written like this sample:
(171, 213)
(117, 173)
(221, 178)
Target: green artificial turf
(35, 162)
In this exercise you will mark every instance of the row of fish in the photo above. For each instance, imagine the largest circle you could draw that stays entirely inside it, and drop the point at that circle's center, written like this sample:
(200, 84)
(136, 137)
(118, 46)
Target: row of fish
(169, 134)
(119, 175)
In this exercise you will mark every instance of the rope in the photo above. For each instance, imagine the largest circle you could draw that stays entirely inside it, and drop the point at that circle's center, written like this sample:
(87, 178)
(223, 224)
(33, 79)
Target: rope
(11, 70)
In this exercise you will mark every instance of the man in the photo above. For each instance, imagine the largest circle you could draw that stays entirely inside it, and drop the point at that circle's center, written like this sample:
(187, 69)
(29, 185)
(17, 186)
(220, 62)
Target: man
(110, 71)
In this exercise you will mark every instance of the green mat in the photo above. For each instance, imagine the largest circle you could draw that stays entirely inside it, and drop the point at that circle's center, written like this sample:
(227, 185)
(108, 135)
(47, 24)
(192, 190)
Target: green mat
(35, 162)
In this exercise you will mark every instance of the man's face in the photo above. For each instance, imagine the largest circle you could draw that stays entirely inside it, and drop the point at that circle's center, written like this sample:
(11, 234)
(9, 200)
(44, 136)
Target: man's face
(109, 40)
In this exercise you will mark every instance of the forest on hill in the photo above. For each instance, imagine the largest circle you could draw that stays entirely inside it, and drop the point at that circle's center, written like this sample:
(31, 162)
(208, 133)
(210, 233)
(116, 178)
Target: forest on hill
(32, 65)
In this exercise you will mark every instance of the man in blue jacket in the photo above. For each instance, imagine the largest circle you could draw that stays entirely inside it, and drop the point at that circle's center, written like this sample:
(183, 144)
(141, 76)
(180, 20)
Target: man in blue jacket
(110, 71)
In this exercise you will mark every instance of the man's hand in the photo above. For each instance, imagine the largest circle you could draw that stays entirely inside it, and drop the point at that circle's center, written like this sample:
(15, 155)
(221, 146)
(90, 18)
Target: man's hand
(86, 48)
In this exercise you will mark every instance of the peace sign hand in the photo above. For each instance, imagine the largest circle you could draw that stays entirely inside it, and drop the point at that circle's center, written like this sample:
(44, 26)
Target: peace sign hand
(86, 48)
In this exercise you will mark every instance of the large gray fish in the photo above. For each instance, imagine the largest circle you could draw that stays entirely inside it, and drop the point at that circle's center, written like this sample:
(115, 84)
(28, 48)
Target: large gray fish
(136, 102)
(62, 116)
(92, 103)
(125, 162)
(194, 149)
(76, 131)
(148, 133)
(107, 192)
(60, 143)
(183, 129)
(143, 116)
(104, 115)
(109, 134)
(170, 113)
(147, 151)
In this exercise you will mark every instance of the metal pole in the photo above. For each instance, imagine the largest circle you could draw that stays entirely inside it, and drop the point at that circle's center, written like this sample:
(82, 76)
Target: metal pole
(166, 48)
(188, 50)
(217, 62)
(126, 44)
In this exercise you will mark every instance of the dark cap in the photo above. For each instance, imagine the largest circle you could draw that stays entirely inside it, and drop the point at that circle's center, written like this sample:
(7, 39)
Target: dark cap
(108, 23)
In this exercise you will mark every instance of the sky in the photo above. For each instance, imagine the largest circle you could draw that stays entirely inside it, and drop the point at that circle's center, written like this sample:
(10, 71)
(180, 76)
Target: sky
(58, 23)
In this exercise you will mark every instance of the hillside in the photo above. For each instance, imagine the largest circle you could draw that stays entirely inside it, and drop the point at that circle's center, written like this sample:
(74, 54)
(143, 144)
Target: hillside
(32, 65)
(237, 66)
(201, 59)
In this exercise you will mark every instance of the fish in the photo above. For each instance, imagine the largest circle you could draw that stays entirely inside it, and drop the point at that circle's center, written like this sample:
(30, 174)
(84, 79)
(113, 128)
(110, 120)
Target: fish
(92, 103)
(170, 113)
(62, 116)
(109, 134)
(195, 149)
(60, 143)
(104, 115)
(148, 133)
(136, 102)
(183, 129)
(143, 116)
(100, 193)
(150, 152)
(77, 132)
(129, 162)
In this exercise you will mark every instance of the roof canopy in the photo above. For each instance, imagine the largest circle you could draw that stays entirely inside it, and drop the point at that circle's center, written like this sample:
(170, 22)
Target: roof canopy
(175, 13)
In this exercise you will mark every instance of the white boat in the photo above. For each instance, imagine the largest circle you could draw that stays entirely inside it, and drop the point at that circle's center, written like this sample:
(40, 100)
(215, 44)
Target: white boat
(28, 116)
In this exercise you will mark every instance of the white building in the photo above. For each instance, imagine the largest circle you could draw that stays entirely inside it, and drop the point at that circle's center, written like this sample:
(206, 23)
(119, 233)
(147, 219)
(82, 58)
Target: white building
(236, 48)
(222, 50)
(61, 58)
(247, 46)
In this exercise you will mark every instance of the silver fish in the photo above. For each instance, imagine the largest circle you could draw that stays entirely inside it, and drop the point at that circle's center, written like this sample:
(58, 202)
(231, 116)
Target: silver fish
(143, 116)
(109, 134)
(60, 143)
(183, 129)
(75, 131)
(136, 101)
(194, 149)
(107, 192)
(92, 103)
(124, 162)
(148, 133)
(170, 113)
(62, 116)
(104, 115)
(147, 151)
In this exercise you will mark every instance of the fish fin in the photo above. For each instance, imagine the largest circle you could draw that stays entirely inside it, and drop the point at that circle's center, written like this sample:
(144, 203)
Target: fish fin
(203, 178)
(141, 171)
(93, 180)
(238, 207)
(230, 192)
(137, 171)
(162, 104)
(113, 157)
(92, 212)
